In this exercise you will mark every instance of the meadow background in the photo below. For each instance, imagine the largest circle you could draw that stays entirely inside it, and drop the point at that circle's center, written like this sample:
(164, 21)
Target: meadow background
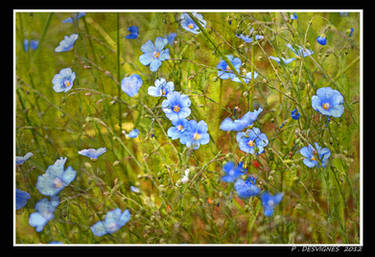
(320, 205)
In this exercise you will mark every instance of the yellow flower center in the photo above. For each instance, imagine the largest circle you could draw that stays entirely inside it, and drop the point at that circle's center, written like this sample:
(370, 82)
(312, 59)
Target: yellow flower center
(179, 127)
(163, 92)
(67, 83)
(176, 108)
(313, 158)
(191, 26)
(251, 143)
(326, 106)
(156, 54)
(197, 136)
(57, 182)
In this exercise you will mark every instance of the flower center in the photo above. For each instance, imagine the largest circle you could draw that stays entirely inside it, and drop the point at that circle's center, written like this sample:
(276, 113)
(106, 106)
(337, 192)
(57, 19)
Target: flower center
(57, 182)
(176, 108)
(326, 106)
(197, 136)
(67, 83)
(156, 54)
(231, 173)
(191, 26)
(179, 127)
(112, 227)
(270, 203)
(313, 158)
(163, 92)
(251, 143)
(228, 68)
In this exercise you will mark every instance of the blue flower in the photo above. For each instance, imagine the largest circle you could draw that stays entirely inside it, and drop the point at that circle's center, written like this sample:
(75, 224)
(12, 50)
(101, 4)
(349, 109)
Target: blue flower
(224, 71)
(343, 13)
(134, 133)
(249, 38)
(67, 43)
(351, 32)
(56, 243)
(196, 135)
(328, 102)
(114, 220)
(161, 88)
(170, 37)
(285, 61)
(75, 17)
(246, 189)
(300, 51)
(247, 79)
(33, 44)
(133, 32)
(176, 106)
(44, 212)
(21, 159)
(153, 55)
(321, 40)
(232, 172)
(237, 125)
(21, 198)
(188, 24)
(63, 81)
(134, 189)
(180, 126)
(293, 16)
(55, 178)
(130, 85)
(269, 201)
(312, 154)
(295, 114)
(92, 153)
(251, 139)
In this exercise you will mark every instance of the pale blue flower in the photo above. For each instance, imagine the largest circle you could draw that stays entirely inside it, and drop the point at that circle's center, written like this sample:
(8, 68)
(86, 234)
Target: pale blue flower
(67, 43)
(33, 44)
(249, 38)
(161, 88)
(55, 178)
(130, 85)
(21, 198)
(63, 81)
(328, 102)
(246, 189)
(188, 24)
(21, 159)
(293, 16)
(224, 70)
(76, 16)
(301, 51)
(114, 220)
(92, 153)
(269, 201)
(134, 189)
(232, 172)
(237, 125)
(196, 134)
(153, 55)
(170, 37)
(44, 212)
(180, 126)
(285, 61)
(251, 140)
(312, 155)
(134, 133)
(176, 106)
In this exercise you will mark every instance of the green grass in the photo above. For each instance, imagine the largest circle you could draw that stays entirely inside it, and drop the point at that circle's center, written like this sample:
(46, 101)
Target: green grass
(320, 206)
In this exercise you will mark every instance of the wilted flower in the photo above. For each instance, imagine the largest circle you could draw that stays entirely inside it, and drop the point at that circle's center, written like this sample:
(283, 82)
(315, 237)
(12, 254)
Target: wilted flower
(21, 159)
(114, 220)
(76, 16)
(249, 38)
(269, 201)
(237, 125)
(196, 135)
(312, 154)
(246, 189)
(232, 172)
(67, 43)
(295, 114)
(328, 102)
(301, 51)
(153, 55)
(134, 189)
(161, 88)
(33, 44)
(180, 126)
(285, 61)
(133, 32)
(252, 139)
(176, 106)
(63, 81)
(92, 153)
(188, 24)
(130, 85)
(21, 198)
(55, 178)
(44, 212)
(321, 40)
